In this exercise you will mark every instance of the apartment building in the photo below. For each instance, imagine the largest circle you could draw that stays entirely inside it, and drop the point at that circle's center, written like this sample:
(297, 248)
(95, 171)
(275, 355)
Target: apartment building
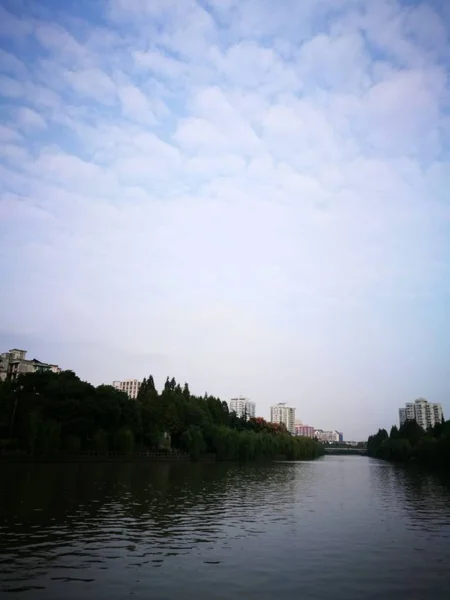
(243, 406)
(14, 363)
(129, 386)
(328, 436)
(426, 414)
(304, 430)
(282, 413)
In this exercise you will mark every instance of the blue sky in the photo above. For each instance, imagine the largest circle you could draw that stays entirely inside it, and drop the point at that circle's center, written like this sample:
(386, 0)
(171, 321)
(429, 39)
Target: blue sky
(250, 196)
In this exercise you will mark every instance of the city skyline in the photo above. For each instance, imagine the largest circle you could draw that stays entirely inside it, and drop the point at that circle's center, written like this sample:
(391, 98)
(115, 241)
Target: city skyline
(251, 196)
(240, 404)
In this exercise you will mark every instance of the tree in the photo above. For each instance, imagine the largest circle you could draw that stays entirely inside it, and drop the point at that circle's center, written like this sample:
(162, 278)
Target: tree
(54, 412)
(394, 432)
(192, 441)
(124, 441)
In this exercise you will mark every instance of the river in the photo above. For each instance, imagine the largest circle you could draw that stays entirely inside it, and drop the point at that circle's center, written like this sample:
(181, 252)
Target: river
(349, 528)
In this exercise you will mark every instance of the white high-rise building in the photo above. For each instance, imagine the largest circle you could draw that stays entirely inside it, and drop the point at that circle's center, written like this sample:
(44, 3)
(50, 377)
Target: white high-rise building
(129, 386)
(327, 436)
(425, 413)
(281, 413)
(243, 406)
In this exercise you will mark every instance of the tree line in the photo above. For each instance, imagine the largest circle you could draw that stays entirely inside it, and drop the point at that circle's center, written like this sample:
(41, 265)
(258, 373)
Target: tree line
(412, 442)
(46, 413)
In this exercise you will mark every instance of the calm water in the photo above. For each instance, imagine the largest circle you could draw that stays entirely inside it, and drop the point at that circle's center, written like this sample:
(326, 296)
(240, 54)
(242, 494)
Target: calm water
(341, 527)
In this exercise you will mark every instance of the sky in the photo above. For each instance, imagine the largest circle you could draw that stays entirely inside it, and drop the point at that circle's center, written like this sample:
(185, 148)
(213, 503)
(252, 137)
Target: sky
(250, 196)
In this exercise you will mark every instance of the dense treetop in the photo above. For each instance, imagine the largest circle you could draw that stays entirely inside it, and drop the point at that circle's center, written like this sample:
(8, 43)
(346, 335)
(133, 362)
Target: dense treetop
(411, 442)
(48, 413)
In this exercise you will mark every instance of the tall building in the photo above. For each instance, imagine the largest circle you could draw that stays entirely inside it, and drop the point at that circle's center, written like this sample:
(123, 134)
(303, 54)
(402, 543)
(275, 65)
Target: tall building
(426, 414)
(129, 386)
(243, 406)
(14, 363)
(281, 413)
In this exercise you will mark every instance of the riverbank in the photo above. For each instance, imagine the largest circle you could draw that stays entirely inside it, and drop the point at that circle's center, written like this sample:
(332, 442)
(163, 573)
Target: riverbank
(89, 457)
(56, 415)
(411, 444)
(131, 458)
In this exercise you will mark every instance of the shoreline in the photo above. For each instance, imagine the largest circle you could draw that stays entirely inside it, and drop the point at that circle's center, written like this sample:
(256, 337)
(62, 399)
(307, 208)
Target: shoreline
(86, 458)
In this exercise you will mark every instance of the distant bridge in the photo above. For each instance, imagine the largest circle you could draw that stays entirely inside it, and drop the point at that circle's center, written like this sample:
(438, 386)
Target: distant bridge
(348, 450)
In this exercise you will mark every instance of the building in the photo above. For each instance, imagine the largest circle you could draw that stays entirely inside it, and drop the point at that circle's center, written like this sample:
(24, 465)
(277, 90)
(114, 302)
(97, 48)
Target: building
(243, 407)
(281, 413)
(425, 413)
(14, 363)
(328, 437)
(304, 430)
(407, 413)
(129, 386)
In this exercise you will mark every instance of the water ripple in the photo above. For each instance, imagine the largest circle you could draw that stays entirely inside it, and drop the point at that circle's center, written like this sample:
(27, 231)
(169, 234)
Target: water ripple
(347, 521)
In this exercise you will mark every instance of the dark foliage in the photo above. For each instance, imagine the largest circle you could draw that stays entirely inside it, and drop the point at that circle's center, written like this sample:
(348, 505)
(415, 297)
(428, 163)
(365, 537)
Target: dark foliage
(47, 413)
(411, 442)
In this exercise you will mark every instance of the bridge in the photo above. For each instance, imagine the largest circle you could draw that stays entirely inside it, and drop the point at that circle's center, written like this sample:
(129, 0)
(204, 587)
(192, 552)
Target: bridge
(349, 450)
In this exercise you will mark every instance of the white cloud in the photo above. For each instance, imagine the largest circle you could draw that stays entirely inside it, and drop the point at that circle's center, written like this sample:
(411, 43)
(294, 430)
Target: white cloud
(164, 66)
(71, 172)
(93, 83)
(13, 154)
(217, 126)
(56, 39)
(28, 119)
(403, 112)
(335, 62)
(7, 134)
(135, 104)
(248, 65)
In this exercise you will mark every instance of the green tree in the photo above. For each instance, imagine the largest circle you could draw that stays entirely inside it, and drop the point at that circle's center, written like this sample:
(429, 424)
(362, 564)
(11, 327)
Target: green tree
(124, 441)
(192, 441)
(42, 413)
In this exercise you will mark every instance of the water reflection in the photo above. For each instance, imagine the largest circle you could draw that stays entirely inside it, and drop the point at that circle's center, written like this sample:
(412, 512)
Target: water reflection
(421, 497)
(63, 517)
(162, 531)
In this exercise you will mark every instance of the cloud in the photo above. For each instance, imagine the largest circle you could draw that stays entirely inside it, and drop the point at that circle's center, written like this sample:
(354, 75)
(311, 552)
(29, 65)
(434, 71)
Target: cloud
(217, 126)
(55, 39)
(237, 189)
(13, 27)
(7, 134)
(135, 104)
(10, 88)
(403, 111)
(164, 66)
(93, 83)
(248, 65)
(11, 65)
(29, 119)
